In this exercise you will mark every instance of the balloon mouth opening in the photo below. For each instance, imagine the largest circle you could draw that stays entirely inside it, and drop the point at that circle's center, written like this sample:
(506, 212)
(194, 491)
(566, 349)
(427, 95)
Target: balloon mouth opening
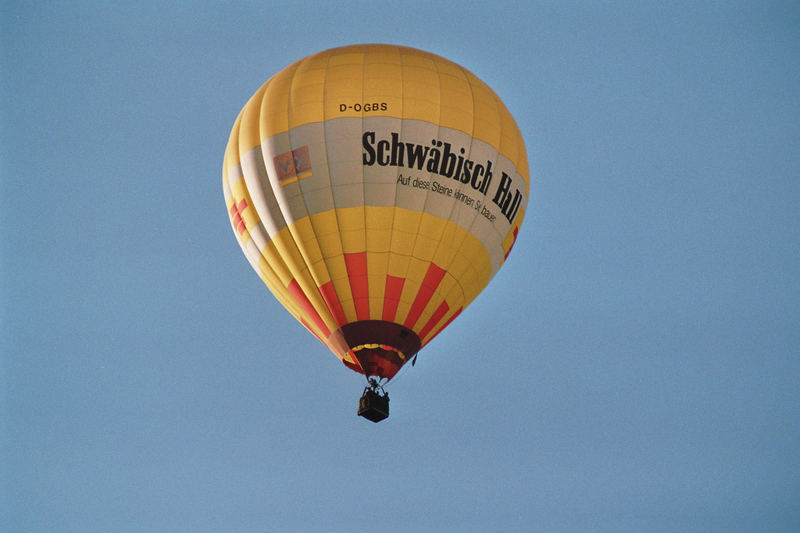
(375, 347)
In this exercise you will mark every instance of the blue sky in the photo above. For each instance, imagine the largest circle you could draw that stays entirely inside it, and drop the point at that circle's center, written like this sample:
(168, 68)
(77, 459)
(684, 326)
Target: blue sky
(635, 366)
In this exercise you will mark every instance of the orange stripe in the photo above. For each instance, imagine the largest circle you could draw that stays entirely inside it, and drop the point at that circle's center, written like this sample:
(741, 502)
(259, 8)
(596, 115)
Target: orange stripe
(437, 316)
(305, 304)
(357, 272)
(432, 279)
(394, 288)
(334, 305)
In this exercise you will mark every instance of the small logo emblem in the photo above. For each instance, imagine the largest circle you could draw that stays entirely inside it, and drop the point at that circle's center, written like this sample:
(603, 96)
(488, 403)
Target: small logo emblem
(293, 166)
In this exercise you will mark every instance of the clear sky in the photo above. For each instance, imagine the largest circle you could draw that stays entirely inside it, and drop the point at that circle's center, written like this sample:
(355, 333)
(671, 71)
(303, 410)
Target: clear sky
(635, 366)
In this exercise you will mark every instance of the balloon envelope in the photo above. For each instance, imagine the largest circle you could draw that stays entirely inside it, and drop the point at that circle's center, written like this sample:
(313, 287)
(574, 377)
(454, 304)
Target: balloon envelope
(376, 190)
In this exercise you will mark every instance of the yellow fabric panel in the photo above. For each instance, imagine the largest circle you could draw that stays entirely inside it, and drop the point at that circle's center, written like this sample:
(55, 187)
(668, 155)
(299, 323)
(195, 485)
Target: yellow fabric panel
(410, 290)
(337, 268)
(344, 85)
(320, 268)
(484, 273)
(288, 253)
(273, 259)
(330, 244)
(342, 287)
(486, 122)
(406, 220)
(249, 119)
(414, 276)
(303, 233)
(346, 55)
(417, 268)
(378, 240)
(308, 86)
(275, 107)
(472, 284)
(447, 246)
(425, 248)
(446, 287)
(377, 268)
(470, 254)
(379, 217)
(432, 226)
(379, 228)
(473, 251)
(351, 218)
(353, 241)
(403, 242)
(522, 168)
(347, 357)
(420, 91)
(268, 276)
(383, 85)
(456, 298)
(398, 264)
(404, 230)
(326, 230)
(417, 58)
(510, 141)
(231, 158)
(456, 111)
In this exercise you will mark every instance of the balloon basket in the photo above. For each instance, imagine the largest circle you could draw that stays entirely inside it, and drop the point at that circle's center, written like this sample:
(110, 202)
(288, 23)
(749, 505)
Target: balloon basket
(373, 405)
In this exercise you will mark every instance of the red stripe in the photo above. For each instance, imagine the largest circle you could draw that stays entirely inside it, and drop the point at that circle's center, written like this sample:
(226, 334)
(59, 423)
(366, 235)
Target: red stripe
(312, 330)
(516, 231)
(432, 279)
(357, 272)
(305, 304)
(458, 312)
(236, 215)
(437, 316)
(394, 288)
(329, 295)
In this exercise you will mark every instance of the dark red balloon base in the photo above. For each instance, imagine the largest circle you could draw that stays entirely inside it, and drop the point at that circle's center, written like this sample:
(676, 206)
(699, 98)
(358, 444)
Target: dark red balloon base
(380, 347)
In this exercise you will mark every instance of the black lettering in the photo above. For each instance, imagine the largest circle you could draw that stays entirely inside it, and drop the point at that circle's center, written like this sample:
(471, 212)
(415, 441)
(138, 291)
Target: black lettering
(397, 151)
(383, 147)
(368, 157)
(487, 178)
(514, 207)
(448, 162)
(457, 174)
(435, 156)
(476, 182)
(502, 195)
(465, 175)
(416, 155)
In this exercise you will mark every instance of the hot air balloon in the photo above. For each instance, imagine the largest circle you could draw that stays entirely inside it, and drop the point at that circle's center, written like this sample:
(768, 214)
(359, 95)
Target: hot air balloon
(376, 190)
